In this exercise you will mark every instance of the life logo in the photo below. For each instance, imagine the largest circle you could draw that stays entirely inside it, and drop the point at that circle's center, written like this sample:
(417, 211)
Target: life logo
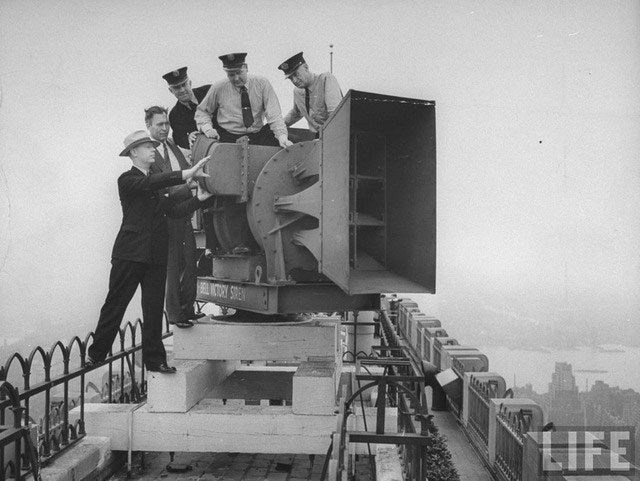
(588, 451)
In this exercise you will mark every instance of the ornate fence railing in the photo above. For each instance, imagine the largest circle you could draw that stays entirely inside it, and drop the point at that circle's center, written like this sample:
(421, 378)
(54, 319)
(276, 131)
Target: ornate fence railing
(511, 428)
(47, 383)
(479, 395)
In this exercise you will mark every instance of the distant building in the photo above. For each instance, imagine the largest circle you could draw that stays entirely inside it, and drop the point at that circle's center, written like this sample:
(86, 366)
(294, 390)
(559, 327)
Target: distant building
(631, 409)
(565, 406)
(563, 379)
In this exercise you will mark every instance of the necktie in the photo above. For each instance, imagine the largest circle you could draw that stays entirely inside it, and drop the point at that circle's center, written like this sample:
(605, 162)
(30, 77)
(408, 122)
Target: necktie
(306, 100)
(166, 154)
(247, 115)
(192, 105)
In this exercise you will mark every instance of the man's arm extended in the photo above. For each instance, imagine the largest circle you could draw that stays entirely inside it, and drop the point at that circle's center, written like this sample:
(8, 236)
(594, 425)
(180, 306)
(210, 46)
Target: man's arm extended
(130, 184)
(273, 113)
(293, 115)
(187, 207)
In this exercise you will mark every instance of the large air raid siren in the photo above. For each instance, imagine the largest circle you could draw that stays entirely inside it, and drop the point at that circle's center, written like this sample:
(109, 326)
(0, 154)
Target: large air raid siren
(354, 209)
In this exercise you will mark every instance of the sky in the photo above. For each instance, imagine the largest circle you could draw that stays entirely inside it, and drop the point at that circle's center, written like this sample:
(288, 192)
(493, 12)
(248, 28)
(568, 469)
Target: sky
(537, 115)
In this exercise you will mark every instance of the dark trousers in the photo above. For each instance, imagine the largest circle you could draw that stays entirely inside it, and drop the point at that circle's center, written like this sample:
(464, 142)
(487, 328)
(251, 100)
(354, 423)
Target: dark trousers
(123, 281)
(181, 270)
(264, 136)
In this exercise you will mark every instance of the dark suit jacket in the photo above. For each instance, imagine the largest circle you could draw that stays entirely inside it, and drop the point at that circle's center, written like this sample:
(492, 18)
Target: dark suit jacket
(178, 228)
(143, 234)
(180, 192)
(181, 118)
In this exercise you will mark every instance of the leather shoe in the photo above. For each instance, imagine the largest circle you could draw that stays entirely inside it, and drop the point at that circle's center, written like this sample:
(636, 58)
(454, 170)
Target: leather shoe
(195, 316)
(184, 324)
(91, 363)
(163, 368)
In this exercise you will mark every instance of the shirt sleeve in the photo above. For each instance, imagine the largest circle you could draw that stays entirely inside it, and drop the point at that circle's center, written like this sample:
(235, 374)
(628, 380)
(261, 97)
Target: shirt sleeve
(293, 115)
(272, 110)
(332, 93)
(205, 110)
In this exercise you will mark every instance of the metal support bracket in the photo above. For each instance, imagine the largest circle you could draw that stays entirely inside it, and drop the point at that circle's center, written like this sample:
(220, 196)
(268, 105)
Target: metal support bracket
(309, 238)
(307, 202)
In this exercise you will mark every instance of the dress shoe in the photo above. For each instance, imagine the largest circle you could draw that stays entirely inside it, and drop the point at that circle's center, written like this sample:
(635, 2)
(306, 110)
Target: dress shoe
(195, 316)
(163, 368)
(91, 363)
(184, 324)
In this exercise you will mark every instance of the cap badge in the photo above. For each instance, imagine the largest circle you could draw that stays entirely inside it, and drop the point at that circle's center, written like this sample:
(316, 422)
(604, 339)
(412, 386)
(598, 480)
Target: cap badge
(285, 66)
(231, 56)
(175, 73)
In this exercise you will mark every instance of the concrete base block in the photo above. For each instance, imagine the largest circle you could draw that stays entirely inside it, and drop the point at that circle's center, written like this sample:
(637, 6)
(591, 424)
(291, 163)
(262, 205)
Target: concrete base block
(110, 420)
(181, 391)
(208, 427)
(217, 340)
(91, 455)
(388, 467)
(314, 388)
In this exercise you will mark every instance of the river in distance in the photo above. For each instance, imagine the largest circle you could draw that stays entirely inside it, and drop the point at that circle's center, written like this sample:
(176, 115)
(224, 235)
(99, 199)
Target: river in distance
(535, 367)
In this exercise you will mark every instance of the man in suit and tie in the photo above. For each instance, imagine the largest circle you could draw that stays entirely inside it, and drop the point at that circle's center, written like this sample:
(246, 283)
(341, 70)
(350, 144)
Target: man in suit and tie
(182, 258)
(139, 253)
(181, 115)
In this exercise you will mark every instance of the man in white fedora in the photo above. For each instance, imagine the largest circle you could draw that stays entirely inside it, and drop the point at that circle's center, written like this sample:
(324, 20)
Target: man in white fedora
(139, 255)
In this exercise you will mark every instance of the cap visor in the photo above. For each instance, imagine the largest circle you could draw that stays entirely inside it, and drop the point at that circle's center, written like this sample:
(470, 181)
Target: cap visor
(293, 70)
(179, 84)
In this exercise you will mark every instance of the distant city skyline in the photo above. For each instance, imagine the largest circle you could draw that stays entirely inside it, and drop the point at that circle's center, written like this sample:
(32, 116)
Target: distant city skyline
(603, 405)
(537, 116)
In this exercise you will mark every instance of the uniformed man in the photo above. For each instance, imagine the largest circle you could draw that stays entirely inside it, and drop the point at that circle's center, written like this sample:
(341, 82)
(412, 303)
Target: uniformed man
(246, 105)
(182, 257)
(181, 115)
(315, 97)
(139, 254)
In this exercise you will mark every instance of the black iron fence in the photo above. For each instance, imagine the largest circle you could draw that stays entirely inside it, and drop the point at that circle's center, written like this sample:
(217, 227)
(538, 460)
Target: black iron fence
(511, 428)
(42, 388)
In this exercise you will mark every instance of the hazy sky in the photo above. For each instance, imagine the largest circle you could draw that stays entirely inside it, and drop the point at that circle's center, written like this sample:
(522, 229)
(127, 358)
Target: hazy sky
(538, 141)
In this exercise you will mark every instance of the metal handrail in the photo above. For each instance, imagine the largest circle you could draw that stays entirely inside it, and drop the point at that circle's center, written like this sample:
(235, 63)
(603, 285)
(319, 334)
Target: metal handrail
(55, 432)
(401, 385)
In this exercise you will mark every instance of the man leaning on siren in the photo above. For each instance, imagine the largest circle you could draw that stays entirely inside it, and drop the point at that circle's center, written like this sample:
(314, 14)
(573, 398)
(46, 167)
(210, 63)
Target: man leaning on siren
(181, 115)
(315, 97)
(241, 104)
(181, 260)
(139, 254)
